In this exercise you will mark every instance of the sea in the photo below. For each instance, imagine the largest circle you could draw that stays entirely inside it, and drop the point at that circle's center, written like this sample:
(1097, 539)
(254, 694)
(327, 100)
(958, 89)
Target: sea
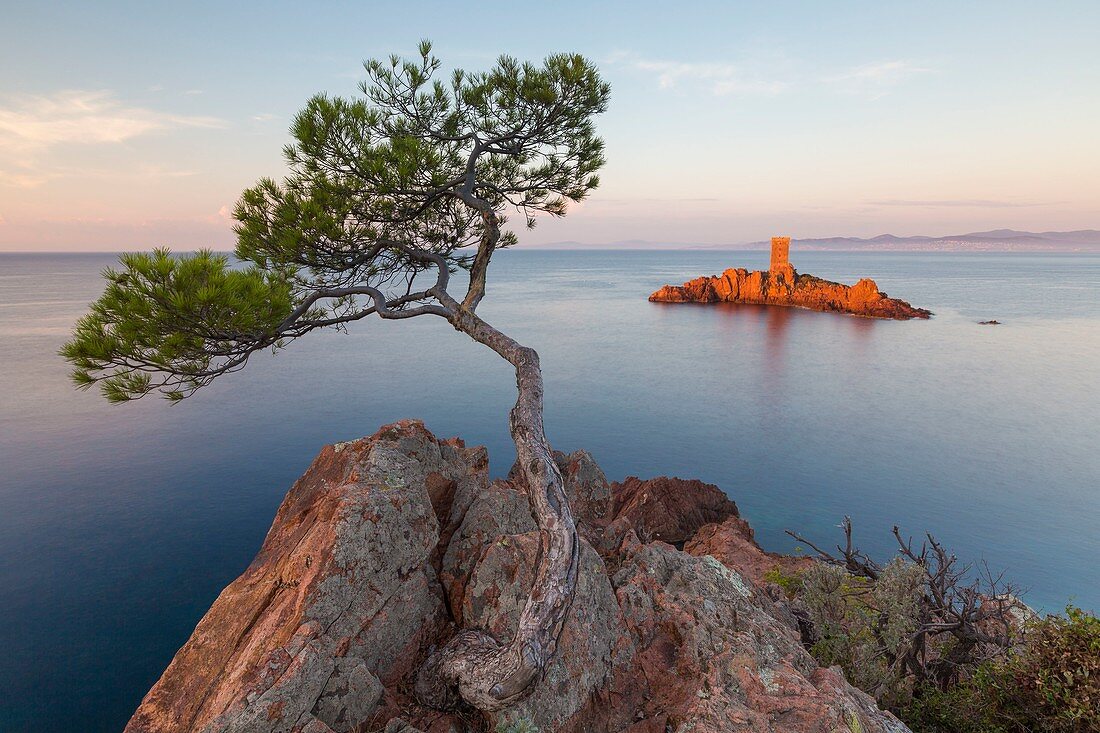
(119, 525)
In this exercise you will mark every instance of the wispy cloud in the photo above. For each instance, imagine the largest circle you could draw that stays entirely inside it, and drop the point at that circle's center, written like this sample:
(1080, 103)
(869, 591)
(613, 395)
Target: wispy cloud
(876, 78)
(34, 173)
(964, 203)
(83, 117)
(263, 117)
(113, 233)
(721, 78)
(159, 171)
(17, 179)
(777, 76)
(33, 127)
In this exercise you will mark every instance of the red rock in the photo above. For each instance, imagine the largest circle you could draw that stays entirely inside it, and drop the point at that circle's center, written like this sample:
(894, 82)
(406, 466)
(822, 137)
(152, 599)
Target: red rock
(587, 488)
(340, 600)
(388, 543)
(714, 654)
(784, 286)
(668, 509)
(732, 543)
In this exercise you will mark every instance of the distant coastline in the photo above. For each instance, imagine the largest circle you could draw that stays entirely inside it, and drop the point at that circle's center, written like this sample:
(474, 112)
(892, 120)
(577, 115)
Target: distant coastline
(1085, 241)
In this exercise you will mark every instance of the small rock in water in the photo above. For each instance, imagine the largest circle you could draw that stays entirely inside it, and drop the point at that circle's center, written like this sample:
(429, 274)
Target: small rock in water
(989, 323)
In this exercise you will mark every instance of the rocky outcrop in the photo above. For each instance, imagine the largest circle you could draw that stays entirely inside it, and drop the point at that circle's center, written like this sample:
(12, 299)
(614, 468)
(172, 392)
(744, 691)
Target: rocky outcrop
(785, 286)
(388, 544)
(669, 509)
(339, 602)
(732, 543)
(716, 653)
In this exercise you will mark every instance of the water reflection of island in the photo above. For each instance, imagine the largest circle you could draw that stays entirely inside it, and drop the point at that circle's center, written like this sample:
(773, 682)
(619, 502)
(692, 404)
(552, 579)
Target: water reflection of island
(782, 285)
(782, 329)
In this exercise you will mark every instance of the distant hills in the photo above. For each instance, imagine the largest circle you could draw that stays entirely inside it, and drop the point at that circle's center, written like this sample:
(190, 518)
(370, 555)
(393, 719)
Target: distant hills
(997, 240)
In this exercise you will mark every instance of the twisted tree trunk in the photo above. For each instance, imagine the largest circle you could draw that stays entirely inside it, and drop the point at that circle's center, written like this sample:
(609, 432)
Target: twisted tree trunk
(474, 667)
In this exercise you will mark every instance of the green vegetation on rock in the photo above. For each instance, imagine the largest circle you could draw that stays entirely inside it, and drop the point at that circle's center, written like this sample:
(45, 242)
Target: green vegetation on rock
(946, 649)
(1050, 684)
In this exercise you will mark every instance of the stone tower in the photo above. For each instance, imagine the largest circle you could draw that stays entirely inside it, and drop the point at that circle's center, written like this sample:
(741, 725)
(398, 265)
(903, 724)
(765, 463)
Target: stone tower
(780, 271)
(781, 254)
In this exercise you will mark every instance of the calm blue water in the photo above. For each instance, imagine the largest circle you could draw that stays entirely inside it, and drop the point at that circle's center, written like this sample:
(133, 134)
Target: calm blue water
(119, 525)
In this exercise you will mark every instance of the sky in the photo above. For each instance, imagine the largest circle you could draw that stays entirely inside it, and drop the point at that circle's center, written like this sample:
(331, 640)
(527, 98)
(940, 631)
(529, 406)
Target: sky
(134, 125)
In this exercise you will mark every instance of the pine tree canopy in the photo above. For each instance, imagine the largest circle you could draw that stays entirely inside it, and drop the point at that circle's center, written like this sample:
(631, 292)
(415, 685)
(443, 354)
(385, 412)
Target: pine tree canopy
(416, 174)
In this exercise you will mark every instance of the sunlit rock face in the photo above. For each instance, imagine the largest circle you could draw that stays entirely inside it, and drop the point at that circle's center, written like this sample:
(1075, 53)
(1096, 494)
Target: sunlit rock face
(782, 285)
(341, 600)
(388, 544)
(668, 509)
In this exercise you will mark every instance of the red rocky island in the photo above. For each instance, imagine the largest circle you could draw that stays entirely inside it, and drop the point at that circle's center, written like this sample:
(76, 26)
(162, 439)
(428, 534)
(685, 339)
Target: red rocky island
(782, 285)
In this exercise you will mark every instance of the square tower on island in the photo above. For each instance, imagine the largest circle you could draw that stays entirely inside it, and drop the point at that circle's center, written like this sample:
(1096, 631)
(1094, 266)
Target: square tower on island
(780, 268)
(781, 254)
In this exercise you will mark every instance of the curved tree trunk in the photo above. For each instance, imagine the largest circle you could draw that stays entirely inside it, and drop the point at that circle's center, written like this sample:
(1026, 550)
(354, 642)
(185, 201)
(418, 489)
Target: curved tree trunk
(474, 667)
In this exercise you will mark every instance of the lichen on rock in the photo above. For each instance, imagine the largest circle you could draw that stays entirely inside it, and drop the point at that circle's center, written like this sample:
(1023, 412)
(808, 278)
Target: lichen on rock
(390, 544)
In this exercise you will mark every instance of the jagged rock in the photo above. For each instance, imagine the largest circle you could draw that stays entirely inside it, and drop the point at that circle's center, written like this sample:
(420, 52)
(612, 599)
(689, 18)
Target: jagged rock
(388, 544)
(713, 655)
(668, 509)
(340, 599)
(501, 510)
(732, 543)
(397, 725)
(588, 491)
(587, 488)
(591, 644)
(488, 572)
(349, 696)
(785, 286)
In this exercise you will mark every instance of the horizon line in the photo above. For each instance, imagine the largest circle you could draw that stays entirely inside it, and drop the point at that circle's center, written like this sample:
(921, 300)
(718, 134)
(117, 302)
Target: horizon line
(603, 248)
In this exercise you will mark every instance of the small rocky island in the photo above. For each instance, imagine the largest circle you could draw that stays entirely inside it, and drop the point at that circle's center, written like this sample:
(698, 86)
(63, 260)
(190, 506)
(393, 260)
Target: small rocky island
(782, 285)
